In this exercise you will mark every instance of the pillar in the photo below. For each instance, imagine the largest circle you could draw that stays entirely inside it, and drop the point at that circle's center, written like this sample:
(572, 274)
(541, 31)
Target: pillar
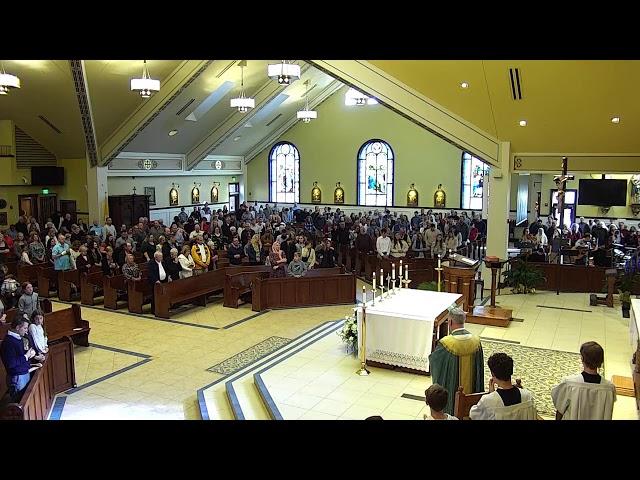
(97, 193)
(498, 204)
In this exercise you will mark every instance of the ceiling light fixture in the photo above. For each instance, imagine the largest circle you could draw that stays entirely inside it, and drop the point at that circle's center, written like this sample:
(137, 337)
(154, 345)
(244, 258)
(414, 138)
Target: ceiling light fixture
(523, 123)
(173, 132)
(354, 97)
(307, 115)
(242, 103)
(464, 85)
(146, 85)
(285, 73)
(7, 81)
(615, 119)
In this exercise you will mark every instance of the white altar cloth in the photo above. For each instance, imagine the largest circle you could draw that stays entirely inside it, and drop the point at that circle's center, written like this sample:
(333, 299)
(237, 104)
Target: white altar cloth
(400, 328)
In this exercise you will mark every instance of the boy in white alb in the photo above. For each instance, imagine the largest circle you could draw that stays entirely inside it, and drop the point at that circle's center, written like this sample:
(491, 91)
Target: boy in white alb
(436, 397)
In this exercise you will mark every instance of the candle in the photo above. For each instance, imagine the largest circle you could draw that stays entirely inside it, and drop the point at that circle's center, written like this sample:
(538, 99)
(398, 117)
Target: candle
(400, 268)
(382, 277)
(374, 280)
(364, 294)
(393, 271)
(406, 272)
(438, 260)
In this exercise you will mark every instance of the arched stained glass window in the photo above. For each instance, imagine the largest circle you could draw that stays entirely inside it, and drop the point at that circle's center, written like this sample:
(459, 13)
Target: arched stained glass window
(375, 174)
(284, 173)
(474, 172)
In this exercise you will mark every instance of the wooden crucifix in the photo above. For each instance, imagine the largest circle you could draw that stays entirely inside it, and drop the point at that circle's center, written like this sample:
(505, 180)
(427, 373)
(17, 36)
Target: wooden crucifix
(562, 185)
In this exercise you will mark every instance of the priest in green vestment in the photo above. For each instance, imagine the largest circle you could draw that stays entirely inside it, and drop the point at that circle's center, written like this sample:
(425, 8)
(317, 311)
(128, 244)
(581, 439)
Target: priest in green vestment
(458, 360)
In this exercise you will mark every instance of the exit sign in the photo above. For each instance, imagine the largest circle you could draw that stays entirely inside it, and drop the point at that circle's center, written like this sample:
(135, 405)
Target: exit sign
(45, 191)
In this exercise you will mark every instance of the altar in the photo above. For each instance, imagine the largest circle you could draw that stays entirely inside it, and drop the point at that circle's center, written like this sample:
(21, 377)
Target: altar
(403, 328)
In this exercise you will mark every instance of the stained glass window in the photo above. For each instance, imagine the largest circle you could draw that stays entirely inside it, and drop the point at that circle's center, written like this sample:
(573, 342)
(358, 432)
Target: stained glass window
(474, 172)
(375, 174)
(284, 173)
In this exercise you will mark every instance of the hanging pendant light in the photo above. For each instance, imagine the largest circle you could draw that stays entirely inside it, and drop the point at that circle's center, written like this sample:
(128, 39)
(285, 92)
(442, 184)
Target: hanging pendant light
(146, 85)
(242, 103)
(285, 73)
(307, 115)
(7, 81)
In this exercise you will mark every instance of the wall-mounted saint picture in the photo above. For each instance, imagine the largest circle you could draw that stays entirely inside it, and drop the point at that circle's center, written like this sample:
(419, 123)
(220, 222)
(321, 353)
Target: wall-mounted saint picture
(440, 198)
(214, 194)
(412, 196)
(338, 194)
(151, 192)
(173, 197)
(195, 195)
(316, 193)
(3, 218)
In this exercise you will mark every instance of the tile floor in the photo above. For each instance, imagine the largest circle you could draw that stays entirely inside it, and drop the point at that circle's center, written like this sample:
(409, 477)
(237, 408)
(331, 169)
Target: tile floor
(319, 384)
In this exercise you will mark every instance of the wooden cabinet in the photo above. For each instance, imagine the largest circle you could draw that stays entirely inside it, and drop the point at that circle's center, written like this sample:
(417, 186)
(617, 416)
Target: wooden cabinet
(127, 209)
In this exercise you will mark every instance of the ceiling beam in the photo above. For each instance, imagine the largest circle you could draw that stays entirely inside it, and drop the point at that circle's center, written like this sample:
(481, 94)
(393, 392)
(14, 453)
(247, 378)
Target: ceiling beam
(414, 106)
(187, 72)
(79, 75)
(326, 92)
(264, 94)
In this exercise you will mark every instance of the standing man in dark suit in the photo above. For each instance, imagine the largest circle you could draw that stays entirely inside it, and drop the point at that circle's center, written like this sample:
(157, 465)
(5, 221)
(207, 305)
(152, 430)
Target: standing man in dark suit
(157, 274)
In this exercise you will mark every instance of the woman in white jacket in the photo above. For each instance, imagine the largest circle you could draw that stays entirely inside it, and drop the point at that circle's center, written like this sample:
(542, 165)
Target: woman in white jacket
(541, 237)
(186, 262)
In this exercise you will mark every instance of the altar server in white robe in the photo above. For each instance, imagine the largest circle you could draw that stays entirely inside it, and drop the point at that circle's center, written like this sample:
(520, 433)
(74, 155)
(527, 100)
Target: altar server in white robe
(505, 401)
(585, 396)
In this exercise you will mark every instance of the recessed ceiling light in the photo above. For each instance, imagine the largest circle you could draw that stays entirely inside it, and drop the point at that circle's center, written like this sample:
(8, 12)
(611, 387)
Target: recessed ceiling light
(235, 139)
(173, 132)
(615, 119)
(523, 123)
(464, 85)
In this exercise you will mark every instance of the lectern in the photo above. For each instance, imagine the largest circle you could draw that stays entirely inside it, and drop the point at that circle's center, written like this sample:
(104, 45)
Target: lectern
(492, 314)
(459, 277)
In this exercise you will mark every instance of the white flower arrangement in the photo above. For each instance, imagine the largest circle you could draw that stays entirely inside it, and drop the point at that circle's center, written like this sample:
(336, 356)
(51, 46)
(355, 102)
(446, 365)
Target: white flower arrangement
(349, 333)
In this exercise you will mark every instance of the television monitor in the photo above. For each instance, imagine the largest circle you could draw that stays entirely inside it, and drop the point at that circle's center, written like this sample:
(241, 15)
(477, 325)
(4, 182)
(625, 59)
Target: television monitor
(602, 193)
(47, 176)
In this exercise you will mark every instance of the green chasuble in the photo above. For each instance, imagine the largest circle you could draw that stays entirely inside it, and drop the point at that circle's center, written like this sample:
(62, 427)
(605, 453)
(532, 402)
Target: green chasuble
(458, 361)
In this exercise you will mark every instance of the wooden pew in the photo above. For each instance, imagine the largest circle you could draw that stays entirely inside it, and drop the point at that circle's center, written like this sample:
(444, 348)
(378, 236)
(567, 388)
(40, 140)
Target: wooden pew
(67, 323)
(67, 279)
(47, 280)
(193, 290)
(420, 269)
(91, 287)
(312, 290)
(28, 273)
(237, 282)
(115, 288)
(56, 375)
(11, 263)
(138, 293)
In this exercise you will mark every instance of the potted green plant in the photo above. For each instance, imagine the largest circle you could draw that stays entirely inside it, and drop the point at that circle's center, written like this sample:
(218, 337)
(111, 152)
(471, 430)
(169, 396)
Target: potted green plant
(522, 277)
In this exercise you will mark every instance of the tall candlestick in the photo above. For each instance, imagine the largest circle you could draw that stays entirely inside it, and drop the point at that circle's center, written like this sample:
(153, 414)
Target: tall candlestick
(393, 271)
(374, 280)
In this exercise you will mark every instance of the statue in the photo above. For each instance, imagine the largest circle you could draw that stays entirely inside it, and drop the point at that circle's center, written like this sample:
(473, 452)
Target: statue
(440, 198)
(338, 194)
(412, 197)
(173, 197)
(316, 193)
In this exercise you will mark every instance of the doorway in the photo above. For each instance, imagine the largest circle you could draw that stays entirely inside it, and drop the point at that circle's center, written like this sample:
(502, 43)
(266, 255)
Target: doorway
(28, 205)
(69, 206)
(47, 206)
(234, 197)
(570, 197)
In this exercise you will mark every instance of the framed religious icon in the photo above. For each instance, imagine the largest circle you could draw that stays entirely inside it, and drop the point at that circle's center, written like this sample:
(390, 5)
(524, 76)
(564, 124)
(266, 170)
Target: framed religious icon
(173, 197)
(316, 193)
(338, 194)
(195, 195)
(214, 194)
(440, 198)
(151, 191)
(412, 196)
(3, 218)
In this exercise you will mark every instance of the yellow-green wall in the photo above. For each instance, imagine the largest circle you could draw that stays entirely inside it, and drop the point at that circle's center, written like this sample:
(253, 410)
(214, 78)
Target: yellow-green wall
(329, 145)
(124, 186)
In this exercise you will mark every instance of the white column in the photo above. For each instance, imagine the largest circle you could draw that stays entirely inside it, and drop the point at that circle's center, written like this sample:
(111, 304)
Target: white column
(97, 193)
(498, 204)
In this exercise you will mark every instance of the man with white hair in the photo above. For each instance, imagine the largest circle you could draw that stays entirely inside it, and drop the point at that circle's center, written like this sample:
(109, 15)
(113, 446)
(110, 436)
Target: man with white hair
(157, 274)
(458, 360)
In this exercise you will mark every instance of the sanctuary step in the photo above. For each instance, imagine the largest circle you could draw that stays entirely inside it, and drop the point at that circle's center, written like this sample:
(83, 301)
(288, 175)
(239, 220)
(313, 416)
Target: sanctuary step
(486, 315)
(237, 396)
